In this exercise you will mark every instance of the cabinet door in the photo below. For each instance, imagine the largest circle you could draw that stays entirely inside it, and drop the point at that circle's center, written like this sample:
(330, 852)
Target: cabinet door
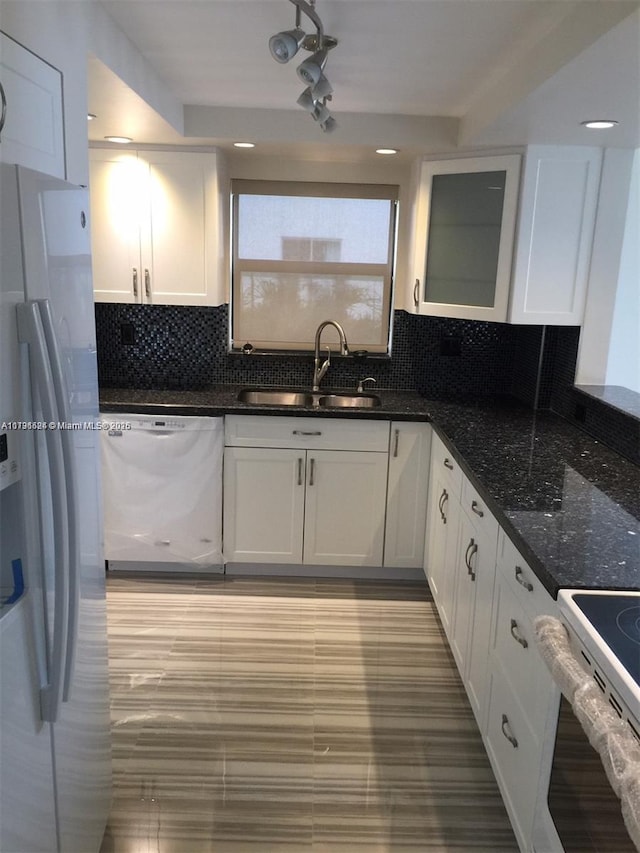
(181, 249)
(555, 234)
(407, 494)
(476, 565)
(32, 135)
(263, 505)
(117, 192)
(345, 508)
(465, 221)
(441, 544)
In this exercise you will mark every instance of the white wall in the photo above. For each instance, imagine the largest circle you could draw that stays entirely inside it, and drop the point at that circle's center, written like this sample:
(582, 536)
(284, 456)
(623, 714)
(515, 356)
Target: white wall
(623, 363)
(606, 267)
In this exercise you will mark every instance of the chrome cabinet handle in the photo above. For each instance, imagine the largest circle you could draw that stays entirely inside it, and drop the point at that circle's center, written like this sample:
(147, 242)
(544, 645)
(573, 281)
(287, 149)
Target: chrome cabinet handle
(135, 282)
(444, 497)
(506, 731)
(396, 441)
(475, 508)
(147, 284)
(299, 472)
(312, 468)
(416, 288)
(472, 548)
(3, 109)
(448, 465)
(303, 432)
(517, 636)
(520, 578)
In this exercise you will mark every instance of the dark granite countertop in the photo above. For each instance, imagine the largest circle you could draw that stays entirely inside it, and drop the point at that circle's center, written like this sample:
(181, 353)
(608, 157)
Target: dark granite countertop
(571, 505)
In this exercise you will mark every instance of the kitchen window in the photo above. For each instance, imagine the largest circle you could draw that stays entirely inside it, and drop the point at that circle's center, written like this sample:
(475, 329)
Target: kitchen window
(308, 252)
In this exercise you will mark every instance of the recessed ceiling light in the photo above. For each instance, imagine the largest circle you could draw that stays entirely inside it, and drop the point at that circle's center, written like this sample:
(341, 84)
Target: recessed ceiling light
(122, 139)
(91, 116)
(386, 150)
(244, 145)
(599, 124)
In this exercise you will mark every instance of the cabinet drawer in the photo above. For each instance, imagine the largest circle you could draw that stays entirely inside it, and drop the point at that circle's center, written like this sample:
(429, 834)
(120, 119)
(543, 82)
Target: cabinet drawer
(514, 649)
(442, 461)
(515, 756)
(523, 581)
(311, 433)
(476, 508)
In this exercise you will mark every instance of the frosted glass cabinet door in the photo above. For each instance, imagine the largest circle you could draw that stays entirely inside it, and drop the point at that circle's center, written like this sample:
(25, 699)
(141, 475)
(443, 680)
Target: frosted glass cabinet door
(464, 241)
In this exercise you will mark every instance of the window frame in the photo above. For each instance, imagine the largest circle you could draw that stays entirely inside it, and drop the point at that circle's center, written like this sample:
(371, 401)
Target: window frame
(309, 189)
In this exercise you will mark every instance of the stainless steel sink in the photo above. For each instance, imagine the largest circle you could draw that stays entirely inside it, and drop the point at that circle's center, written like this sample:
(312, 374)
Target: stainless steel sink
(284, 397)
(275, 397)
(355, 401)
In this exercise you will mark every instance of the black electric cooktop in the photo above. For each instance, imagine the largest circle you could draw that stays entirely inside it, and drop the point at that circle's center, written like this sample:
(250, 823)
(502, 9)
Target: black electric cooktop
(616, 618)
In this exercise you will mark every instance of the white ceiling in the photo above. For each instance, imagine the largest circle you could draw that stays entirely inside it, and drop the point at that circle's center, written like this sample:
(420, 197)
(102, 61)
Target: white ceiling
(418, 74)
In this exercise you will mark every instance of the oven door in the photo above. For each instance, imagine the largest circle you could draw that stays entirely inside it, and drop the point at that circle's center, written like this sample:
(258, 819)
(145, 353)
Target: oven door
(585, 810)
(589, 788)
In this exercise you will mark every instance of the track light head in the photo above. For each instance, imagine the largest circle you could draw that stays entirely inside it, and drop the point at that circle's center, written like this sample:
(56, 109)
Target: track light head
(310, 71)
(329, 125)
(322, 89)
(285, 45)
(307, 101)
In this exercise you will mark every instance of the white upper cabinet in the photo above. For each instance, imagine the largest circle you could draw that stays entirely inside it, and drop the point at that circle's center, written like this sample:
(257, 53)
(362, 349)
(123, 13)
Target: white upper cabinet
(31, 93)
(463, 241)
(158, 227)
(487, 246)
(555, 235)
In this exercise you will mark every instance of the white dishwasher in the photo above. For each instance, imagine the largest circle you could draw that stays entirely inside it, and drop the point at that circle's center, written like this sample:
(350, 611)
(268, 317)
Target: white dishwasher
(162, 492)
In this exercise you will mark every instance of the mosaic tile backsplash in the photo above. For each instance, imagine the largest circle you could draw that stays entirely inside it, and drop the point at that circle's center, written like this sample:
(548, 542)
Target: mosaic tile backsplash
(165, 347)
(174, 347)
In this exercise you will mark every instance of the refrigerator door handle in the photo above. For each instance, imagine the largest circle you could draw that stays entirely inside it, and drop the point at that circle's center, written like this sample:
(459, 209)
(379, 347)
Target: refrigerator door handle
(64, 412)
(31, 332)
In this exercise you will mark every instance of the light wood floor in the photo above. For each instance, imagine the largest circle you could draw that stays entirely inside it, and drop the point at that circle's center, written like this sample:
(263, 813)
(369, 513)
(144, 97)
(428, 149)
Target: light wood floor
(255, 716)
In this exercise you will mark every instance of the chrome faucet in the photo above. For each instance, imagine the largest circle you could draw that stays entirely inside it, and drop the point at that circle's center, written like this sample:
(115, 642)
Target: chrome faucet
(318, 369)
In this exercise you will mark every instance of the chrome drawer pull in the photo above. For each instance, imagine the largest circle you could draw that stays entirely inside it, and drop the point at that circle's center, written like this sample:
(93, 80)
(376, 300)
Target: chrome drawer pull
(312, 468)
(135, 282)
(506, 731)
(472, 548)
(444, 497)
(517, 636)
(525, 583)
(474, 507)
(448, 465)
(299, 472)
(397, 439)
(305, 432)
(415, 292)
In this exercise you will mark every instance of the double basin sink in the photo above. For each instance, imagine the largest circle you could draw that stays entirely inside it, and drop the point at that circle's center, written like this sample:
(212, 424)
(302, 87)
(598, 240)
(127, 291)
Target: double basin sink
(318, 399)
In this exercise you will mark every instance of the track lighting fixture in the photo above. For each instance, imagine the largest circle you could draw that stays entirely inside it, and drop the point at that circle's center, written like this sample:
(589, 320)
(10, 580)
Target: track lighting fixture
(285, 45)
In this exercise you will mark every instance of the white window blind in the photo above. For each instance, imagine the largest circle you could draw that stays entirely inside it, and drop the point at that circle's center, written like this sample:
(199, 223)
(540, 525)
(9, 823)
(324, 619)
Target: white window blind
(304, 253)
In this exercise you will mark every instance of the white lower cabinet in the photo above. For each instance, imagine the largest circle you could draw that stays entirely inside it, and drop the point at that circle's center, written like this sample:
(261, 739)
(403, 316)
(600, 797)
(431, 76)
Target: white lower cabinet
(407, 494)
(263, 505)
(523, 699)
(317, 502)
(487, 598)
(344, 508)
(441, 541)
(475, 571)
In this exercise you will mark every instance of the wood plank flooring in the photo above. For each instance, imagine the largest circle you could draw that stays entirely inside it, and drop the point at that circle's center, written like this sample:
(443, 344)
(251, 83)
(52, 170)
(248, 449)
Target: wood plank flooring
(285, 716)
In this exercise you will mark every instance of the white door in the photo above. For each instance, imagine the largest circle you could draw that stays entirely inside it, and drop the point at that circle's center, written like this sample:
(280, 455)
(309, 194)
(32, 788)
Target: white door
(33, 134)
(465, 591)
(181, 255)
(263, 505)
(118, 205)
(345, 508)
(483, 564)
(407, 494)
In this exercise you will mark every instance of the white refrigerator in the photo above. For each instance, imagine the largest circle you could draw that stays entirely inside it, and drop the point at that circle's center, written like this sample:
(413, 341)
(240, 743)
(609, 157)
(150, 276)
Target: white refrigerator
(55, 758)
